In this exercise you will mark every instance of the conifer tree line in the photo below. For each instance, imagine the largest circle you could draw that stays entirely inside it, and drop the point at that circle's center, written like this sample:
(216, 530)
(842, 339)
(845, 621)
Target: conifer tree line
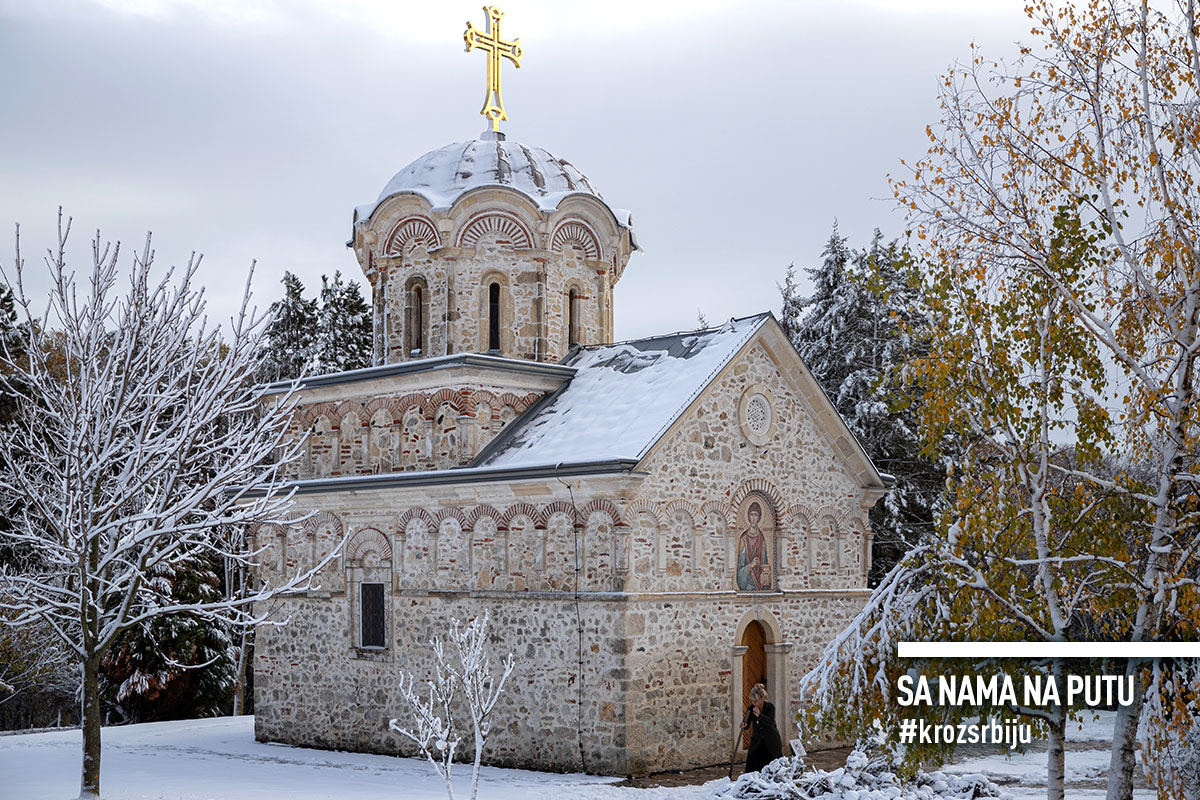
(864, 320)
(315, 336)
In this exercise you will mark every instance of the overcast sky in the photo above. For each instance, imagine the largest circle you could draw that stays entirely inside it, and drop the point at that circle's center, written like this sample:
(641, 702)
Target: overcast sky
(736, 133)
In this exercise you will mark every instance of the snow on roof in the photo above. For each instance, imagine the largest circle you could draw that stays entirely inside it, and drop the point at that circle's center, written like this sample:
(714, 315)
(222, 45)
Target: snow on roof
(442, 176)
(622, 398)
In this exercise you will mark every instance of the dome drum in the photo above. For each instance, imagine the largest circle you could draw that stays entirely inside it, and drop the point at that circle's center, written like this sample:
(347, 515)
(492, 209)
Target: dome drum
(409, 232)
(490, 246)
(582, 225)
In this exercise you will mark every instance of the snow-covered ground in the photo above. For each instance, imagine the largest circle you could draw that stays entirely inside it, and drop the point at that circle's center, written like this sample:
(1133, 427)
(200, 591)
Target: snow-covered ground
(1030, 768)
(1087, 757)
(218, 759)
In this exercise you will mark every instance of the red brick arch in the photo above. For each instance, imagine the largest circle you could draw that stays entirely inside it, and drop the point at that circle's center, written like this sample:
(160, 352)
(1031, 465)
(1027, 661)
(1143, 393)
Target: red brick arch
(722, 510)
(407, 402)
(450, 396)
(558, 507)
(451, 512)
(387, 403)
(519, 510)
(645, 507)
(763, 487)
(680, 505)
(800, 517)
(320, 520)
(478, 513)
(368, 539)
(416, 513)
(348, 407)
(605, 506)
(482, 396)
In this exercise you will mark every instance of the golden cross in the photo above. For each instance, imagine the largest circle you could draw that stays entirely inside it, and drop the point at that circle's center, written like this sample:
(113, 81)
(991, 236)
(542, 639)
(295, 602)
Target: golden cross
(493, 106)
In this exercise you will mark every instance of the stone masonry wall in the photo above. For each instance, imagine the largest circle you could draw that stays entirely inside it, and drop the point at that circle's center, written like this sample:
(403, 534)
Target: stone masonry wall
(314, 688)
(504, 555)
(682, 665)
(681, 704)
(658, 615)
(706, 466)
(534, 288)
(401, 431)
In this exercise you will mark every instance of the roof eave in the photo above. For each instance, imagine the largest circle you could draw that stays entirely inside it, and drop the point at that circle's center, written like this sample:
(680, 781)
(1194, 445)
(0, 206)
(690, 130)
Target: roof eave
(458, 475)
(513, 365)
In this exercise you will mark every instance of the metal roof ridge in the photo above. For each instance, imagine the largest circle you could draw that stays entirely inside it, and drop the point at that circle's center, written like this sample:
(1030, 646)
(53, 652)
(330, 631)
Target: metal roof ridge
(693, 332)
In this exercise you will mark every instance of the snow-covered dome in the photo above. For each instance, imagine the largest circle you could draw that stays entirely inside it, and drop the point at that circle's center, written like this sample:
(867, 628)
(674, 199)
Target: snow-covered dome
(442, 176)
(458, 232)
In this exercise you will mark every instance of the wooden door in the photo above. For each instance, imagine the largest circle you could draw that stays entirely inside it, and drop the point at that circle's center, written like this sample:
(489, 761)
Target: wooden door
(754, 666)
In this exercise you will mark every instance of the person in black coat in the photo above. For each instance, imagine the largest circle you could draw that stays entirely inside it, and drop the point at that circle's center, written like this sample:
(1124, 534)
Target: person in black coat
(765, 744)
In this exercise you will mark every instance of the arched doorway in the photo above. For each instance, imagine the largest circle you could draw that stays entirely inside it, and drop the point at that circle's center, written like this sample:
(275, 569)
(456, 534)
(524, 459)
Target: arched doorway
(754, 665)
(760, 655)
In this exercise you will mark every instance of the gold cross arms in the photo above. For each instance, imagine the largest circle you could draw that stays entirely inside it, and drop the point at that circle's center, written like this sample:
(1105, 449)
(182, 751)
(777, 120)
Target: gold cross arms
(496, 48)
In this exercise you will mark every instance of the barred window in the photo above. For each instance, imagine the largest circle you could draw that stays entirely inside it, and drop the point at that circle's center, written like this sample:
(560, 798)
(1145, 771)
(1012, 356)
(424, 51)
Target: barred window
(372, 615)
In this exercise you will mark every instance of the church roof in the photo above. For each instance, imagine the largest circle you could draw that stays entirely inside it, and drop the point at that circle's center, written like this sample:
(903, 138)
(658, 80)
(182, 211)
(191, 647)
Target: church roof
(442, 176)
(622, 398)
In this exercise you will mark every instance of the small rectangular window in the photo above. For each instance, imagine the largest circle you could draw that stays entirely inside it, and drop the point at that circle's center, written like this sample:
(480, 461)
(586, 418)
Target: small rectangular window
(372, 615)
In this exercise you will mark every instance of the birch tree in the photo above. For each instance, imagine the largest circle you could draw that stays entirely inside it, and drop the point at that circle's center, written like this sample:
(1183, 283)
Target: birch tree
(139, 443)
(1057, 210)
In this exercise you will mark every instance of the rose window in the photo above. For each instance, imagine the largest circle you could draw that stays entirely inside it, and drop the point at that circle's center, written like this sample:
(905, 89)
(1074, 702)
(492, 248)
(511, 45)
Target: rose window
(758, 414)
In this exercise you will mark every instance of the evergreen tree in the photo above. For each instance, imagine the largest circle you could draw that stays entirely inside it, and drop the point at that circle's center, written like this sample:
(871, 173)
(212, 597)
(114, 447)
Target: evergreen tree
(173, 667)
(793, 303)
(856, 333)
(291, 335)
(343, 338)
(10, 342)
(8, 317)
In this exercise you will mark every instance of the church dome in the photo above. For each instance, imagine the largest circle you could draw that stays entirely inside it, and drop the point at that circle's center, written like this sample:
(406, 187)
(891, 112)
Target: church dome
(442, 176)
(490, 246)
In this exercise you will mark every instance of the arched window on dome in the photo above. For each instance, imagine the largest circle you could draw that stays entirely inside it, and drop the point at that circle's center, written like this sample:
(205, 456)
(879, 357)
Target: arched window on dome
(416, 323)
(494, 317)
(572, 318)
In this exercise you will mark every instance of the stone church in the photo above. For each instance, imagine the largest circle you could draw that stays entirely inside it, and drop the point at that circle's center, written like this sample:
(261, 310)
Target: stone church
(653, 525)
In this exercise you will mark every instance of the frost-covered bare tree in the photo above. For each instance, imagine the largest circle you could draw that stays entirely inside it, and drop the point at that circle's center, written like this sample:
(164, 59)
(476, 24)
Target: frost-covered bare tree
(467, 672)
(432, 728)
(139, 443)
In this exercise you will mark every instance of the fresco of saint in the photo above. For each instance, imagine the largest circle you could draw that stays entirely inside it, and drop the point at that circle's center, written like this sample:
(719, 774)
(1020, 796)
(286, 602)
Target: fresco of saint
(753, 548)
